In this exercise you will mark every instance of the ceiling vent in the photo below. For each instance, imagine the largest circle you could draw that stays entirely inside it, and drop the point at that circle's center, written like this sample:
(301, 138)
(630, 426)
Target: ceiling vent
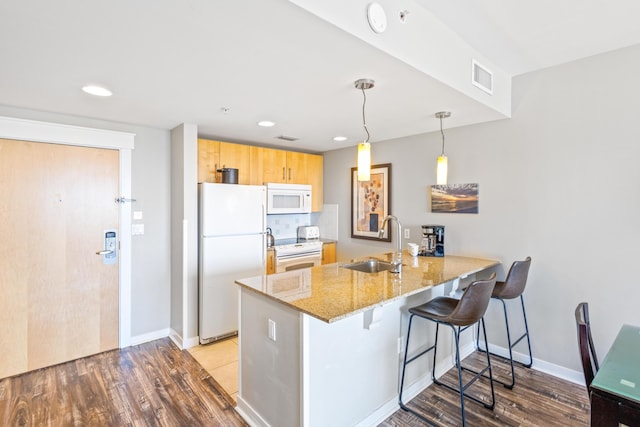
(481, 77)
(287, 138)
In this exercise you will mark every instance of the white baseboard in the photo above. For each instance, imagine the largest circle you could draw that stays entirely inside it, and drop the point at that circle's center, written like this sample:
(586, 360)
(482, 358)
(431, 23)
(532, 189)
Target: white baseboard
(249, 414)
(558, 371)
(191, 342)
(182, 343)
(149, 336)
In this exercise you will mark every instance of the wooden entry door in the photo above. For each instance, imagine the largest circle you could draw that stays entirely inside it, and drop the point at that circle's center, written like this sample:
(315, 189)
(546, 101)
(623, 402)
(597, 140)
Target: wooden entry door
(58, 300)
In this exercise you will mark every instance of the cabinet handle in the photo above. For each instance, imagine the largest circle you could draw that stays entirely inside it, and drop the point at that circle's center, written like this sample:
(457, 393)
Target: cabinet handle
(289, 174)
(284, 174)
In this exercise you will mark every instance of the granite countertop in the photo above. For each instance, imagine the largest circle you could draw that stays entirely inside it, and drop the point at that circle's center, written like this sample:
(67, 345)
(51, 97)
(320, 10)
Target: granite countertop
(331, 292)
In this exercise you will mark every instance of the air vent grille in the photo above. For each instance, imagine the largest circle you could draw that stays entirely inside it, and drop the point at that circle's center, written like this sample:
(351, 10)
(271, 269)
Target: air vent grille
(287, 138)
(481, 77)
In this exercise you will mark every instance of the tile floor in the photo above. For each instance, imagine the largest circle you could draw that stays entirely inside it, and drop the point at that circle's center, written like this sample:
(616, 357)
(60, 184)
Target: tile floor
(220, 359)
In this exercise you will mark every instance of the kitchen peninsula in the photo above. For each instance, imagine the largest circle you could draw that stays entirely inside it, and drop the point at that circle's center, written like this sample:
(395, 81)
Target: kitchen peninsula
(323, 345)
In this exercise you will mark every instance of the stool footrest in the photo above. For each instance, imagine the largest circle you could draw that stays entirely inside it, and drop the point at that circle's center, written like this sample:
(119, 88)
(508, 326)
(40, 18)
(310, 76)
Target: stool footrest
(420, 354)
(465, 386)
(509, 386)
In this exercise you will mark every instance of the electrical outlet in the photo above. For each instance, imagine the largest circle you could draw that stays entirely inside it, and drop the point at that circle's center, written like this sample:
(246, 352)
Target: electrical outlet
(272, 330)
(407, 233)
(400, 346)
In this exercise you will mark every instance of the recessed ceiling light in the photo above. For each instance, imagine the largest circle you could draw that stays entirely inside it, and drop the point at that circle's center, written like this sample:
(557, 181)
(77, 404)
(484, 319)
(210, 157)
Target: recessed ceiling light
(340, 138)
(266, 123)
(96, 90)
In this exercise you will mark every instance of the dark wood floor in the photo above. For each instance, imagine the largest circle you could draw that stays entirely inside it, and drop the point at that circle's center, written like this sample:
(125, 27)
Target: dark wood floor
(156, 384)
(537, 399)
(153, 384)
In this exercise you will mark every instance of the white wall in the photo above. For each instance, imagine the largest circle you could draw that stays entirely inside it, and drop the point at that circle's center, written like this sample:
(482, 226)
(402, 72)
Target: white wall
(150, 282)
(557, 182)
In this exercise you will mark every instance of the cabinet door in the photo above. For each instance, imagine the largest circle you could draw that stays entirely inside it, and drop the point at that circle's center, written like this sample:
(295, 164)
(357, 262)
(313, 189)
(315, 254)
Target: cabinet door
(274, 163)
(256, 170)
(329, 253)
(208, 160)
(297, 168)
(314, 174)
(271, 261)
(236, 156)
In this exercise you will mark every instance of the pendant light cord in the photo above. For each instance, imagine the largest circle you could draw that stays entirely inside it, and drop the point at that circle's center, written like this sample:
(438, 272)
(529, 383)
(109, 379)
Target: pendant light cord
(364, 122)
(442, 136)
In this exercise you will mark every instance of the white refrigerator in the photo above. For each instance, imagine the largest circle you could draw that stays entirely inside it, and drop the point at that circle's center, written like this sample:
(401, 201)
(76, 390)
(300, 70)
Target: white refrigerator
(232, 246)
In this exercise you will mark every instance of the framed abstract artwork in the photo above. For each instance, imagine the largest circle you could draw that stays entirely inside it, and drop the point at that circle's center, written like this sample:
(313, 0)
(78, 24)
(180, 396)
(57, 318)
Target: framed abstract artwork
(370, 202)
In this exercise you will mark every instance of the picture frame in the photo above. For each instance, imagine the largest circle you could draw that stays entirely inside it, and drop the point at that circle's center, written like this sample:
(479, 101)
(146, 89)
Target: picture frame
(370, 203)
(455, 198)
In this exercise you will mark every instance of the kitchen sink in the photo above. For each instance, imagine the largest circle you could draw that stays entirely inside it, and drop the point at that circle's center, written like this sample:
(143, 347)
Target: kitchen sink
(370, 266)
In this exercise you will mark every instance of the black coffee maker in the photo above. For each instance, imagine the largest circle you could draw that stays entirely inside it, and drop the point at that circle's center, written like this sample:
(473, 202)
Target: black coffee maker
(432, 243)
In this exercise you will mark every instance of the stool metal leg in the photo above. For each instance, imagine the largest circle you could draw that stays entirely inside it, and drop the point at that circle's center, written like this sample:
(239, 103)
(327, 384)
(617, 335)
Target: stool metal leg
(461, 386)
(510, 344)
(404, 367)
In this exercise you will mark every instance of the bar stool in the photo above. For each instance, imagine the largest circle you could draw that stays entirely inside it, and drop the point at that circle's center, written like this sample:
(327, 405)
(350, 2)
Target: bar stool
(512, 287)
(459, 315)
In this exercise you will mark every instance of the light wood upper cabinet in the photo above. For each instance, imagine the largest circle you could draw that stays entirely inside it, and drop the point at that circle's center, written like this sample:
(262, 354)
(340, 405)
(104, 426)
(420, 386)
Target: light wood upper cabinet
(297, 168)
(236, 156)
(208, 159)
(213, 155)
(274, 165)
(259, 165)
(314, 175)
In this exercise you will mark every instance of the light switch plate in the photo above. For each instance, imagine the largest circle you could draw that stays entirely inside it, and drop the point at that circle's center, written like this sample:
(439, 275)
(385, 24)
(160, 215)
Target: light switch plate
(272, 330)
(137, 215)
(137, 229)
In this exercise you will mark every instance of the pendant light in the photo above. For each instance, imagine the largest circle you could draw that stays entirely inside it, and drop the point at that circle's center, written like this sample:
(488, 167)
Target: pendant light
(441, 168)
(364, 148)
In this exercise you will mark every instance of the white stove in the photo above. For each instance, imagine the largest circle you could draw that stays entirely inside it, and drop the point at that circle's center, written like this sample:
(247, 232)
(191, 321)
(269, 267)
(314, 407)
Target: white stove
(296, 247)
(294, 254)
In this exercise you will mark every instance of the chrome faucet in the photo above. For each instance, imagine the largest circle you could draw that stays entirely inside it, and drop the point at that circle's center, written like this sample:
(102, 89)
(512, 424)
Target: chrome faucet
(397, 257)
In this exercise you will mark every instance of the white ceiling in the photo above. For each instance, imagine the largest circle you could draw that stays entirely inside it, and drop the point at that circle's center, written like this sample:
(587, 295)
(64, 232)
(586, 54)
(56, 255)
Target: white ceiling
(183, 61)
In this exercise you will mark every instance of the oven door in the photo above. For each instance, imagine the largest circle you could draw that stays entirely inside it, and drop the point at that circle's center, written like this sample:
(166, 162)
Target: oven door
(297, 262)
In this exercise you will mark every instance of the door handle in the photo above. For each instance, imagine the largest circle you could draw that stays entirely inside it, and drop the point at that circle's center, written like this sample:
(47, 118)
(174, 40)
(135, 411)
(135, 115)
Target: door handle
(105, 252)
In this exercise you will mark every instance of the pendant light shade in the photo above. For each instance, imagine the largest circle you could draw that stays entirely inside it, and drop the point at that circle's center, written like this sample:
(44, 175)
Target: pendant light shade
(441, 171)
(364, 161)
(442, 165)
(364, 148)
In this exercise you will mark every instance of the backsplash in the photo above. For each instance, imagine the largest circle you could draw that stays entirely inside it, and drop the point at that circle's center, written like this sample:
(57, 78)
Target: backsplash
(286, 226)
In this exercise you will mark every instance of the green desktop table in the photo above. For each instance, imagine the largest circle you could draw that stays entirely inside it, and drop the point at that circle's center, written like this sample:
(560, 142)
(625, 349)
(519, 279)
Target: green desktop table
(615, 390)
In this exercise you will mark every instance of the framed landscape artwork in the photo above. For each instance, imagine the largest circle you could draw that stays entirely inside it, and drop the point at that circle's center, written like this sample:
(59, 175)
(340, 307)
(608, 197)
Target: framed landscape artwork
(454, 198)
(370, 202)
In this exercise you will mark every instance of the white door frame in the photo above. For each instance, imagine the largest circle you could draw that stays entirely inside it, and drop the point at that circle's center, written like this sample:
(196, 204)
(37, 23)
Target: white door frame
(54, 133)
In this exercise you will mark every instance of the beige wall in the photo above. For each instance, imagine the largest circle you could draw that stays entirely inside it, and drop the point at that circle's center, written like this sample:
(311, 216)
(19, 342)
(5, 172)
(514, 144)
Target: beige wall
(558, 181)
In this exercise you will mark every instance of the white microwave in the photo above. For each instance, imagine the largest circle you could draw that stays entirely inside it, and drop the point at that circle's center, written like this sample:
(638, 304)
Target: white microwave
(288, 198)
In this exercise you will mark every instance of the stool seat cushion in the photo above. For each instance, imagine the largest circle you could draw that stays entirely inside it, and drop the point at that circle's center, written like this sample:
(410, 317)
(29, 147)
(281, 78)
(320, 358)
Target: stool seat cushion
(460, 312)
(439, 308)
(516, 280)
(498, 290)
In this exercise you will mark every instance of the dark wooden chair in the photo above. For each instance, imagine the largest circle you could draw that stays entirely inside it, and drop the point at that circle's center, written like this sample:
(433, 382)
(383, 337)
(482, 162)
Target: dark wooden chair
(585, 343)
